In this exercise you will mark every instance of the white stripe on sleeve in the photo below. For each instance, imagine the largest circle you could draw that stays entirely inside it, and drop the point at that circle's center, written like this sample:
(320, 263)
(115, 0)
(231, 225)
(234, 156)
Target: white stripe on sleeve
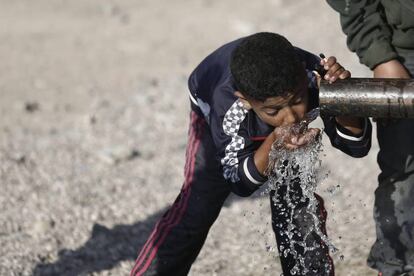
(356, 139)
(249, 176)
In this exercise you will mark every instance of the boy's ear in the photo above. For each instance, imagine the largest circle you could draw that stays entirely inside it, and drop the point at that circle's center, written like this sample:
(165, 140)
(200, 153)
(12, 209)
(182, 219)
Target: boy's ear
(243, 99)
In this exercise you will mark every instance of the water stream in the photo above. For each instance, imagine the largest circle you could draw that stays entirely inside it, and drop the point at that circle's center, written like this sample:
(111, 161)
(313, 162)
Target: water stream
(293, 178)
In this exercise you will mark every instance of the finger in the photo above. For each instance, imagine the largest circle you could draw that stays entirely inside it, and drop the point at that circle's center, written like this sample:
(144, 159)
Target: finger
(309, 136)
(280, 135)
(336, 74)
(302, 140)
(291, 146)
(305, 139)
(345, 74)
(331, 72)
(329, 62)
(314, 131)
(341, 74)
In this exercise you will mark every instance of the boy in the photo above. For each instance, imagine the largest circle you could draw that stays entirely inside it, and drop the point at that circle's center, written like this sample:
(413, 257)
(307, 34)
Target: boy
(242, 95)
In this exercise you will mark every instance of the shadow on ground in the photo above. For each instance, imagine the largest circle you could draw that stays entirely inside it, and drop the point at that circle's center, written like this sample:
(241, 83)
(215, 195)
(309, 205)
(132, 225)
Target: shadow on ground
(104, 250)
(108, 247)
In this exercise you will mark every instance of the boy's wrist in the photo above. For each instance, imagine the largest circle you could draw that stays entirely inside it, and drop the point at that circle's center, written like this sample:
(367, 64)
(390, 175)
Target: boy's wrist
(353, 124)
(273, 136)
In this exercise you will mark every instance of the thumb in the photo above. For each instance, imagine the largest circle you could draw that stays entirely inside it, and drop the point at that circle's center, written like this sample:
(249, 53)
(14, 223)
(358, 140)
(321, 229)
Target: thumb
(318, 78)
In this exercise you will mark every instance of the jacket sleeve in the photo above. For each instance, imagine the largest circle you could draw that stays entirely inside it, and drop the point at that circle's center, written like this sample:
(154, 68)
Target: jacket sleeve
(346, 141)
(367, 31)
(234, 152)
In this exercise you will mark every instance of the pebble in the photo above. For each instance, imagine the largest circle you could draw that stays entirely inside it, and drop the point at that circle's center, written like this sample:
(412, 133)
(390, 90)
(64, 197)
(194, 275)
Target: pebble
(31, 107)
(117, 154)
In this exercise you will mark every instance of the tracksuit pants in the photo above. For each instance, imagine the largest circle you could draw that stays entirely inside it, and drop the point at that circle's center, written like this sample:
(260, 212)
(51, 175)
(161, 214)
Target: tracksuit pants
(180, 234)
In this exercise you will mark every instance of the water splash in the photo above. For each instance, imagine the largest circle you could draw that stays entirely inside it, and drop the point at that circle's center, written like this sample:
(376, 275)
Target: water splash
(311, 116)
(293, 177)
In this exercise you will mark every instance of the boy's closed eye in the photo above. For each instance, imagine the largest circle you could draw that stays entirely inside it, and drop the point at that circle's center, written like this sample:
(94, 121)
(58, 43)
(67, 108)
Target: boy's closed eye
(297, 100)
(272, 112)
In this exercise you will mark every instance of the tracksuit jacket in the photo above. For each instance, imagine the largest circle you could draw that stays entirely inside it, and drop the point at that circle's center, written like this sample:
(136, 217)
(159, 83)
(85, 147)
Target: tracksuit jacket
(238, 132)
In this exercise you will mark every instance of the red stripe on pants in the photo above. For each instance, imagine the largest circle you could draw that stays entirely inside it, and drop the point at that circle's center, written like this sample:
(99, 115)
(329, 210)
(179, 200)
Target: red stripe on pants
(176, 212)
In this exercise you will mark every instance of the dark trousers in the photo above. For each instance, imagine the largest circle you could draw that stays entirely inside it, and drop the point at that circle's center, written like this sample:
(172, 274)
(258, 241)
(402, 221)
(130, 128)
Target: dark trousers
(393, 251)
(179, 235)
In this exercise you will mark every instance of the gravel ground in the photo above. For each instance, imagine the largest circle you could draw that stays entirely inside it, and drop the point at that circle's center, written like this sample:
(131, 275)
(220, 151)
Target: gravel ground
(93, 128)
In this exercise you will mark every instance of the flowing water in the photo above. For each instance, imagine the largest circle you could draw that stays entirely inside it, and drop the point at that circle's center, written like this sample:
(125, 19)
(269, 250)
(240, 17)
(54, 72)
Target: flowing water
(293, 177)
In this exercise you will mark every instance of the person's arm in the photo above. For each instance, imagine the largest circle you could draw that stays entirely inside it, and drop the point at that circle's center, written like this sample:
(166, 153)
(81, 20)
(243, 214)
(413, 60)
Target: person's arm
(351, 135)
(244, 167)
(368, 33)
(344, 140)
(233, 152)
(334, 71)
(370, 36)
(261, 156)
(391, 69)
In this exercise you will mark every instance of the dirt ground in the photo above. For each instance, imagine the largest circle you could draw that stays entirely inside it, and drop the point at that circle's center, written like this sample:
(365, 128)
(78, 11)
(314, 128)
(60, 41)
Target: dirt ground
(93, 129)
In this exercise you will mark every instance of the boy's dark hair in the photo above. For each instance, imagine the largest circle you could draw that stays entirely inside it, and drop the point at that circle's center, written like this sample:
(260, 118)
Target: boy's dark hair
(265, 65)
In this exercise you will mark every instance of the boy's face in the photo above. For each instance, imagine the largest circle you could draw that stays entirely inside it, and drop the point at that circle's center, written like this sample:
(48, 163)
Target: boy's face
(281, 111)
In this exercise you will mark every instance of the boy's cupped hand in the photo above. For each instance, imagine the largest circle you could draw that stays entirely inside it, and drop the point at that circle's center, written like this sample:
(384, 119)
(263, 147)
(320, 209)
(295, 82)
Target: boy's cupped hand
(289, 138)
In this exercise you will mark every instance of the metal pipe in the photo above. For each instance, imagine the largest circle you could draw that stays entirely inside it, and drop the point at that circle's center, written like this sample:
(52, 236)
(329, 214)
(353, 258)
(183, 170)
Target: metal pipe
(367, 97)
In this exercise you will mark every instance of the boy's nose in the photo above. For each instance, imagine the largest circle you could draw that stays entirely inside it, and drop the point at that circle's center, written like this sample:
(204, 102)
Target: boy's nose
(291, 117)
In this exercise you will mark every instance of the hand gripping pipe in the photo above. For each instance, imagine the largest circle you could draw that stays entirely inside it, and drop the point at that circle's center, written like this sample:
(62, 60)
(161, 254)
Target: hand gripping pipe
(367, 97)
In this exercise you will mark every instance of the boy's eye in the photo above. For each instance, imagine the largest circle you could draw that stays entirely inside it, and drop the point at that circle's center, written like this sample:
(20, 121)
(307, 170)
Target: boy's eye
(272, 113)
(297, 100)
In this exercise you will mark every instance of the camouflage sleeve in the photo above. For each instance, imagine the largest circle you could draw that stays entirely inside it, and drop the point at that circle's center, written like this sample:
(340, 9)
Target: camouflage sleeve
(368, 33)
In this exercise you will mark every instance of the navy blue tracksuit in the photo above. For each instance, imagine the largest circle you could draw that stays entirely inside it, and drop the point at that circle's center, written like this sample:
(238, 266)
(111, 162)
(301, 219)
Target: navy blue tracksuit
(223, 137)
